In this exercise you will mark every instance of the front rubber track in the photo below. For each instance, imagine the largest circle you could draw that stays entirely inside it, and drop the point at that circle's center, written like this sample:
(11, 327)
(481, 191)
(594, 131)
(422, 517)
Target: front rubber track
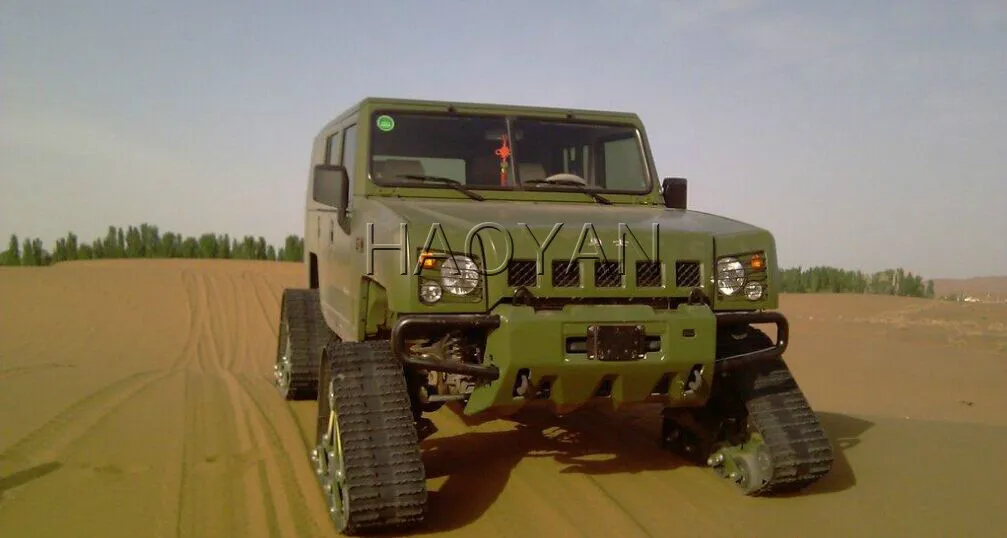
(799, 448)
(300, 310)
(385, 478)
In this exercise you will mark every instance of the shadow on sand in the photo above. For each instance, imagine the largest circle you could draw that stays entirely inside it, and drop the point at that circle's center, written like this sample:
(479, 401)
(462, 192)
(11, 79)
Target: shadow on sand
(478, 464)
(21, 478)
(844, 432)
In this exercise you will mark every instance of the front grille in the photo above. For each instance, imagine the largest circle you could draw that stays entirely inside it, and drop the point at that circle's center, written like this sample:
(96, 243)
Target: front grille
(565, 274)
(648, 274)
(607, 275)
(521, 273)
(687, 274)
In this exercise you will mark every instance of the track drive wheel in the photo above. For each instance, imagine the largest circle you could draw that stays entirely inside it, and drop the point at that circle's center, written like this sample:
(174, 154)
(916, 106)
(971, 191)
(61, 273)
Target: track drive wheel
(367, 455)
(757, 430)
(301, 337)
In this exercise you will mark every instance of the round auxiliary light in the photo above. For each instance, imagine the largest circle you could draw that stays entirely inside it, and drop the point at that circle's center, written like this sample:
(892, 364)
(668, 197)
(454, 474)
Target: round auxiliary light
(753, 291)
(430, 292)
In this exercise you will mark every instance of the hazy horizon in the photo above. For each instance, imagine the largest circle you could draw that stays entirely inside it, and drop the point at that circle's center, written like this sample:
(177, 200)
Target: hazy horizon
(863, 135)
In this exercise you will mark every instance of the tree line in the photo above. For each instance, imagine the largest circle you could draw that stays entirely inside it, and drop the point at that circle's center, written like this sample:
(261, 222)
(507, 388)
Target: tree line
(147, 241)
(822, 279)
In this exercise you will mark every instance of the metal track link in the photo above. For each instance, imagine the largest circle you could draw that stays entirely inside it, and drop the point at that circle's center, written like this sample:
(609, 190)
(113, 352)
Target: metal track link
(383, 478)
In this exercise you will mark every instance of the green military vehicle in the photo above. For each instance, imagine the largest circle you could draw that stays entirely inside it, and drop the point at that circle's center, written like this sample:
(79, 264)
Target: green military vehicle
(496, 257)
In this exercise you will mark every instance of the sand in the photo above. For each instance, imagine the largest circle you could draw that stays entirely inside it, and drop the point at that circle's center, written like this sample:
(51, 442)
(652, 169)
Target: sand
(135, 401)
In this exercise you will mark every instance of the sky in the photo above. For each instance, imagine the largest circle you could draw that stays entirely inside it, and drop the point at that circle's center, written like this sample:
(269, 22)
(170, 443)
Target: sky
(863, 134)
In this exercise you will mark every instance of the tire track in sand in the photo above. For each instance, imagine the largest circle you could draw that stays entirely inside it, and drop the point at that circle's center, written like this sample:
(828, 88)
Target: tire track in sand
(70, 425)
(8, 374)
(289, 467)
(45, 443)
(191, 287)
(221, 349)
(256, 282)
(215, 382)
(185, 357)
(289, 505)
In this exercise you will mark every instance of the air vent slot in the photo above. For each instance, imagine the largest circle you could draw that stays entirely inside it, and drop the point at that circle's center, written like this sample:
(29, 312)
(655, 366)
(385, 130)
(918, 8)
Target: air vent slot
(688, 275)
(648, 275)
(565, 274)
(521, 273)
(607, 275)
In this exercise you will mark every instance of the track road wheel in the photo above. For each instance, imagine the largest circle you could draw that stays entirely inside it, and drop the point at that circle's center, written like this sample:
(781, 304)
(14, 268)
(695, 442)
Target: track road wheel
(758, 430)
(301, 337)
(367, 455)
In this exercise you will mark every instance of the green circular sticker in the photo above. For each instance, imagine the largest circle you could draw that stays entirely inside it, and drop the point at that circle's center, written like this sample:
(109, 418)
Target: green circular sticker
(385, 123)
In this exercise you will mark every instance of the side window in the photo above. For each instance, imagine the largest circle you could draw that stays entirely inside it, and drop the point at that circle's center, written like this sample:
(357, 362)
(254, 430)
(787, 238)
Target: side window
(623, 165)
(332, 151)
(349, 158)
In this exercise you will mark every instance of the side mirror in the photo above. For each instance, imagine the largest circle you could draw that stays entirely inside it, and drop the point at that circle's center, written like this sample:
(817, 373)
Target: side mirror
(330, 186)
(675, 190)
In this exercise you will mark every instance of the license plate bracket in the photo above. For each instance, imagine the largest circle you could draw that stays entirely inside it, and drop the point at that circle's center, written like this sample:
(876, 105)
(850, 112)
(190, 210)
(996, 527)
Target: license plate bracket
(616, 343)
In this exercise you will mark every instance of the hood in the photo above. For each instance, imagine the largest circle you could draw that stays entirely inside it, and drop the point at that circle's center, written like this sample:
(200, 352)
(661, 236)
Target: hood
(511, 215)
(679, 246)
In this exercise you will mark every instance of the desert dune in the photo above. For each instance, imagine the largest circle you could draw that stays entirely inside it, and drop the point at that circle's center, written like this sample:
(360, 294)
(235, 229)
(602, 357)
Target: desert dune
(135, 400)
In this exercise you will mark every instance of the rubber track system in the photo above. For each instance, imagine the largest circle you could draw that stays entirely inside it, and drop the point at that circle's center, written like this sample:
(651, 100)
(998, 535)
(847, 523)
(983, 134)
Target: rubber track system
(385, 482)
(798, 446)
(301, 310)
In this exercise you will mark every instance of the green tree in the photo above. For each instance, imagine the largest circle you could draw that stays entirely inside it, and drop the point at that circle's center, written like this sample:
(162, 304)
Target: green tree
(208, 246)
(72, 249)
(12, 256)
(189, 248)
(85, 252)
(27, 252)
(292, 249)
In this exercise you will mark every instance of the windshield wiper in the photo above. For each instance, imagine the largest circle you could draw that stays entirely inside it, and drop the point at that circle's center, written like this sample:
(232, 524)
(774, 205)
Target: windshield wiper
(582, 188)
(455, 184)
(601, 199)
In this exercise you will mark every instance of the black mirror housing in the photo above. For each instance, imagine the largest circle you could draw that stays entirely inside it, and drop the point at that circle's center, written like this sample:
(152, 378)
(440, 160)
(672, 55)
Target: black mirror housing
(330, 186)
(675, 192)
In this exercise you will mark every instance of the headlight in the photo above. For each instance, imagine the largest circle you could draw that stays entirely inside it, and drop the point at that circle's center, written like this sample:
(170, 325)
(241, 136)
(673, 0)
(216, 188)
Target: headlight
(459, 275)
(730, 275)
(753, 291)
(430, 292)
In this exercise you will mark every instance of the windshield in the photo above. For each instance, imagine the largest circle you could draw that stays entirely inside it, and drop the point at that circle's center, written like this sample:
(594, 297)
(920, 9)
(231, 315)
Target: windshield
(480, 152)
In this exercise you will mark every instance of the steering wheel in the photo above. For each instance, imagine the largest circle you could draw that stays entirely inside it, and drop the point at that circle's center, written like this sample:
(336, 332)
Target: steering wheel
(561, 179)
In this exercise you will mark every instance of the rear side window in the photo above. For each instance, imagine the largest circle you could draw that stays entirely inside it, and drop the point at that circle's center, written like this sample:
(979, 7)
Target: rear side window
(349, 158)
(332, 151)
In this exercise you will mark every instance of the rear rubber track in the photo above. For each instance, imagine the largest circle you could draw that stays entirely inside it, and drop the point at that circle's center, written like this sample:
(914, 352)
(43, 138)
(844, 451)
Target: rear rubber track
(373, 444)
(301, 318)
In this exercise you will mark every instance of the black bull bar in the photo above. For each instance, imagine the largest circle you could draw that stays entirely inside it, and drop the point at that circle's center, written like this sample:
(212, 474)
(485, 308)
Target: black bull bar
(725, 320)
(492, 321)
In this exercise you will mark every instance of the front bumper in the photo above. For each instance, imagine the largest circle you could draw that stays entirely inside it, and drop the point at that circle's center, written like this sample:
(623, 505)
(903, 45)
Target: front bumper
(539, 348)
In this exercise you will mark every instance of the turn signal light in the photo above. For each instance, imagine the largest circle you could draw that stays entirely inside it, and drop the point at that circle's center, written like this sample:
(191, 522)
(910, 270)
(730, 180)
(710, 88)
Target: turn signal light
(428, 260)
(757, 262)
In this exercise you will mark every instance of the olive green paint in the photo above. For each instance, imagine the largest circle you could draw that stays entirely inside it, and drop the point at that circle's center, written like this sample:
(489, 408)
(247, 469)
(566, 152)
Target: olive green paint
(357, 303)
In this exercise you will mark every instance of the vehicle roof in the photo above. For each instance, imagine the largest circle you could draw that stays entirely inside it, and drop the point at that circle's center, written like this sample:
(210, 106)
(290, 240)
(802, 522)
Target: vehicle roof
(374, 102)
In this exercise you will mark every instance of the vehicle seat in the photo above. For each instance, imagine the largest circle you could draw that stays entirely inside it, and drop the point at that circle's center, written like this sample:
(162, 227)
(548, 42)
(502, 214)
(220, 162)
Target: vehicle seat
(531, 171)
(397, 167)
(485, 171)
